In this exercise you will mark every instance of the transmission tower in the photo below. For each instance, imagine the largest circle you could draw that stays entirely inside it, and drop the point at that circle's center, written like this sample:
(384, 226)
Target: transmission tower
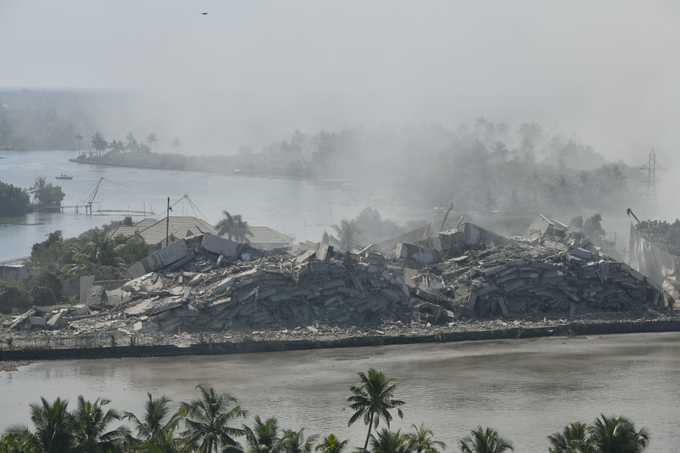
(651, 172)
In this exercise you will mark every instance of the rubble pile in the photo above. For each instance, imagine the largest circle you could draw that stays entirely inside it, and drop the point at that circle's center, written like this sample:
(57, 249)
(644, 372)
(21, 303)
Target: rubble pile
(525, 280)
(273, 291)
(210, 284)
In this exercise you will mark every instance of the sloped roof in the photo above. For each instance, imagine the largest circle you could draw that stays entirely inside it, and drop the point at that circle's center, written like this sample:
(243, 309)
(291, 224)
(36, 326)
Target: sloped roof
(266, 235)
(130, 230)
(180, 227)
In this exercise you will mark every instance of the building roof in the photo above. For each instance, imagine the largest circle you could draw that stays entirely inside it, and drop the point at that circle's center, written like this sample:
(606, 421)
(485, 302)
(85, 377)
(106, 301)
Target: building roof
(180, 227)
(130, 230)
(266, 235)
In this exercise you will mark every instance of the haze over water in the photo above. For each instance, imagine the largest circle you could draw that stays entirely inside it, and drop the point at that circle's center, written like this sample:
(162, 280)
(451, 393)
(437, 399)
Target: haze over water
(300, 209)
(526, 388)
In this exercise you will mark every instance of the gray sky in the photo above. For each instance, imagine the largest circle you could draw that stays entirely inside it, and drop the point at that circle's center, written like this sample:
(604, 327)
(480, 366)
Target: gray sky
(603, 71)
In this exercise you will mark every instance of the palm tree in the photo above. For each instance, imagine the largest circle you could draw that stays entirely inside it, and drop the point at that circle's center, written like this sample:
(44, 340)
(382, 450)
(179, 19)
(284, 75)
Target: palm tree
(373, 399)
(151, 139)
(485, 440)
(53, 426)
(423, 441)
(234, 227)
(347, 235)
(331, 444)
(156, 428)
(573, 439)
(99, 143)
(264, 438)
(391, 442)
(295, 442)
(617, 435)
(91, 420)
(131, 142)
(207, 421)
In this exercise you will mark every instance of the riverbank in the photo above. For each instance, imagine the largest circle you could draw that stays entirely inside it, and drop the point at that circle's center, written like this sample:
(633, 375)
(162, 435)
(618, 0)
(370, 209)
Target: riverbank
(315, 338)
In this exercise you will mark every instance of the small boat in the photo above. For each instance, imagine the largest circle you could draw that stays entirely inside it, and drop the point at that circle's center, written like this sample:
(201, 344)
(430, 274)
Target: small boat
(64, 176)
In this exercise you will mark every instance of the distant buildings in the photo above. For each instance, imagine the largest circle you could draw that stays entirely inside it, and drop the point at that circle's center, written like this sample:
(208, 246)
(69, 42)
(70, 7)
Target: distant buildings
(154, 231)
(184, 227)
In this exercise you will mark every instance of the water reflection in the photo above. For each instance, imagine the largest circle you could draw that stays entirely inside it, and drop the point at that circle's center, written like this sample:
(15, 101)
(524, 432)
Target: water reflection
(527, 388)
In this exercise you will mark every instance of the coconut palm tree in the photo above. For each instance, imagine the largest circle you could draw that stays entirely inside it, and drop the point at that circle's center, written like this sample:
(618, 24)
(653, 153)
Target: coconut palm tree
(387, 441)
(331, 444)
(572, 439)
(90, 423)
(207, 421)
(296, 442)
(151, 139)
(155, 430)
(234, 227)
(484, 440)
(373, 399)
(347, 235)
(617, 435)
(423, 441)
(264, 437)
(53, 426)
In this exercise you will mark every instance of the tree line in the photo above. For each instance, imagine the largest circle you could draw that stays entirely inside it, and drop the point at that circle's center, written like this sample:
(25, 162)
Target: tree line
(211, 423)
(16, 201)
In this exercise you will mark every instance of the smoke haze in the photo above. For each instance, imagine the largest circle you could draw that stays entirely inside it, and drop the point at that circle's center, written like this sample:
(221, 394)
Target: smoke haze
(252, 72)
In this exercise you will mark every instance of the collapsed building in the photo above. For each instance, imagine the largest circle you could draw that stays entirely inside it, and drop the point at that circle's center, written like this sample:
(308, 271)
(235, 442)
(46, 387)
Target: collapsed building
(208, 283)
(654, 250)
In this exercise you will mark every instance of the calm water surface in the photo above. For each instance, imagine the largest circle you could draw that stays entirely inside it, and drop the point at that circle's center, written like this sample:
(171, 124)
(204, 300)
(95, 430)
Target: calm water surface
(528, 389)
(298, 208)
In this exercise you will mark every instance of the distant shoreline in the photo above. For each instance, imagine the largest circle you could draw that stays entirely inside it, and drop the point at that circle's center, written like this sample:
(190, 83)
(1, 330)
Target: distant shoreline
(243, 174)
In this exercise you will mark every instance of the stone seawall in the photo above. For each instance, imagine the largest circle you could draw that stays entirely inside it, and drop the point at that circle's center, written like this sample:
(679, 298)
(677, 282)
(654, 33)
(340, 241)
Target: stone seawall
(381, 340)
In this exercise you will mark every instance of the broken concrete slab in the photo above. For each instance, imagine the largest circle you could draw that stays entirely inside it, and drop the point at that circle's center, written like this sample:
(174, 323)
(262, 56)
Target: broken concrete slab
(305, 256)
(86, 282)
(476, 236)
(57, 321)
(37, 322)
(136, 270)
(97, 295)
(221, 246)
(166, 256)
(117, 296)
(22, 320)
(324, 252)
(415, 253)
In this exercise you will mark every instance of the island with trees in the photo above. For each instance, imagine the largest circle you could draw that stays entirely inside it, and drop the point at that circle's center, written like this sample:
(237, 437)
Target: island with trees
(485, 166)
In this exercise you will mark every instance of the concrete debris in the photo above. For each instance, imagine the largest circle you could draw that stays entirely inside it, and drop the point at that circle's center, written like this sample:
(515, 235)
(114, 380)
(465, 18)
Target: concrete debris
(136, 270)
(477, 274)
(221, 246)
(524, 280)
(175, 252)
(546, 228)
(415, 253)
(96, 295)
(57, 321)
(324, 252)
(23, 320)
(86, 282)
(38, 322)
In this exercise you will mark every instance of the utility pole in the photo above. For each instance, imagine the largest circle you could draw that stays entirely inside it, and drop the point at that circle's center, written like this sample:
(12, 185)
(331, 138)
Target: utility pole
(167, 224)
